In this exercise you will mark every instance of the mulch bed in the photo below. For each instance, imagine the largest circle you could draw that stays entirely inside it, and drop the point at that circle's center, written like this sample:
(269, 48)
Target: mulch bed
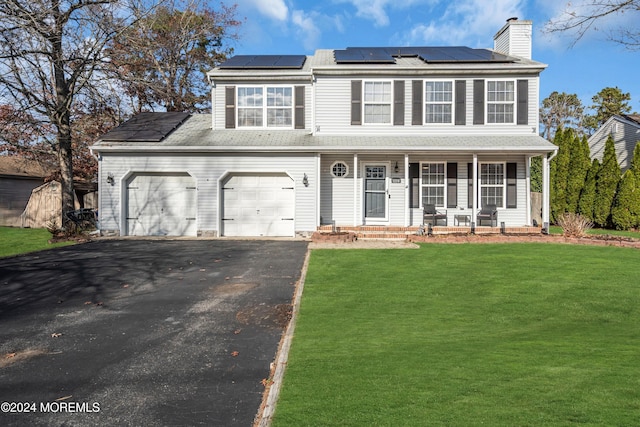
(597, 240)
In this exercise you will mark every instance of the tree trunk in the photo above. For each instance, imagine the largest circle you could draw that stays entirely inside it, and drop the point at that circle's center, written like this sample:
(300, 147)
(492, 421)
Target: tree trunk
(66, 171)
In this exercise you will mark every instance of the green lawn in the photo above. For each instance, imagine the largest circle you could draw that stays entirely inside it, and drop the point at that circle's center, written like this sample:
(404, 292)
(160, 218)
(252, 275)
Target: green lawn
(466, 335)
(14, 241)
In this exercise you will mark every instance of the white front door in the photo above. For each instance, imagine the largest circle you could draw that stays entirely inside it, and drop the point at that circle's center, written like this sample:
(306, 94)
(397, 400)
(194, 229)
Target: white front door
(376, 193)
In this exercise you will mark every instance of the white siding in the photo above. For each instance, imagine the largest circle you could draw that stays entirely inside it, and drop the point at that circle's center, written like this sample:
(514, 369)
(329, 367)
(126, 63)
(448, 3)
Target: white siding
(534, 102)
(625, 137)
(333, 111)
(520, 41)
(333, 106)
(514, 39)
(337, 194)
(218, 101)
(207, 170)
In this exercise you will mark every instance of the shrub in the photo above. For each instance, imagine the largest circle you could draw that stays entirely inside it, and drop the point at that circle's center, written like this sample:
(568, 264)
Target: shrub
(574, 225)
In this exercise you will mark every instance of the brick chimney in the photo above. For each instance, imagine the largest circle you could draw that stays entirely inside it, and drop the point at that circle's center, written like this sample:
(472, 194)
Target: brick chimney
(514, 38)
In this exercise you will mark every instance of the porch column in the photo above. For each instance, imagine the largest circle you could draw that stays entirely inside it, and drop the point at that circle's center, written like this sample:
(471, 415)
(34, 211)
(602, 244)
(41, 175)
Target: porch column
(318, 181)
(355, 190)
(407, 212)
(474, 207)
(527, 165)
(545, 191)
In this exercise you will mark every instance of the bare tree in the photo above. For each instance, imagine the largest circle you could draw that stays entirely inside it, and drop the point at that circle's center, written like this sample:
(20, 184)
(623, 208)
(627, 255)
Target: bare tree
(49, 52)
(560, 110)
(582, 17)
(162, 60)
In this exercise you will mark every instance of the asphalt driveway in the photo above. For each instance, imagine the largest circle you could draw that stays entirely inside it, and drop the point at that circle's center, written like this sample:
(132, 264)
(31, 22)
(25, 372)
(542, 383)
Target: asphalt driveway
(143, 332)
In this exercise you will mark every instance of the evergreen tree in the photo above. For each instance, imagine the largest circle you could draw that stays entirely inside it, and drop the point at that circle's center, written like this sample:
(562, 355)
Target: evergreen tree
(558, 176)
(606, 185)
(578, 167)
(536, 174)
(635, 200)
(588, 193)
(608, 102)
(621, 215)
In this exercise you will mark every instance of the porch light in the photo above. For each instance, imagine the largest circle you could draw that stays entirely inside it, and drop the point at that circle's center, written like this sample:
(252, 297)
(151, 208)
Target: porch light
(396, 168)
(305, 180)
(110, 179)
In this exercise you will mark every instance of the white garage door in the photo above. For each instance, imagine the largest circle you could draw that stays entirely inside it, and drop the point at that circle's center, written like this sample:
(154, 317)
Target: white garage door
(161, 205)
(258, 205)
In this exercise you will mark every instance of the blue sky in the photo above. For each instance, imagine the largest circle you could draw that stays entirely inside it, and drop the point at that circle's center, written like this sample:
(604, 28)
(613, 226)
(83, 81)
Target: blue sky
(302, 26)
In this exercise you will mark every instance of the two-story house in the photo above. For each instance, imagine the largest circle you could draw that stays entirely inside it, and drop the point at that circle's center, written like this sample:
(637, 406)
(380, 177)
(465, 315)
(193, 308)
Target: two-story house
(350, 137)
(625, 132)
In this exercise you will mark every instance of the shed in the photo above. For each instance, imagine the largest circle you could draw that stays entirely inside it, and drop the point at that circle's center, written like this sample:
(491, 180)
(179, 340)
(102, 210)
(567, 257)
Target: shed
(18, 178)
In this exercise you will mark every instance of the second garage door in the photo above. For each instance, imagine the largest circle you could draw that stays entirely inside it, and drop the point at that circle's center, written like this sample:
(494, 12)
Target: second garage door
(258, 205)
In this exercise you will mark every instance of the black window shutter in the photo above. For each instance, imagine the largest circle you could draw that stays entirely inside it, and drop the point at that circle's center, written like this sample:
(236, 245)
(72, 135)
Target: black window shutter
(414, 185)
(230, 107)
(398, 102)
(470, 185)
(478, 102)
(523, 102)
(416, 103)
(452, 185)
(461, 99)
(299, 108)
(512, 185)
(356, 102)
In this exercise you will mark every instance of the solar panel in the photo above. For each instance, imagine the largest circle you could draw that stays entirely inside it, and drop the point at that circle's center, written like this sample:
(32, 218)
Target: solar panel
(437, 54)
(264, 62)
(151, 127)
(363, 55)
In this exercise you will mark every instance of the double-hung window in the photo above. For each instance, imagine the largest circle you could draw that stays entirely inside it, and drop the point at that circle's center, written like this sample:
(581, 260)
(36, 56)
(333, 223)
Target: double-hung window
(438, 102)
(500, 101)
(377, 102)
(433, 184)
(265, 106)
(492, 184)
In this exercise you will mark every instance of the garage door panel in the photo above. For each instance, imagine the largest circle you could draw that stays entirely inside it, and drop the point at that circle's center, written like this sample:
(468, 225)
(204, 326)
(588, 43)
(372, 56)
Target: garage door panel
(161, 205)
(260, 205)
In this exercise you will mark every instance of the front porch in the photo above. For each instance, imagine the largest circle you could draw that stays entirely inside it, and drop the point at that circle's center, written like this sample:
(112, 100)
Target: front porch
(364, 232)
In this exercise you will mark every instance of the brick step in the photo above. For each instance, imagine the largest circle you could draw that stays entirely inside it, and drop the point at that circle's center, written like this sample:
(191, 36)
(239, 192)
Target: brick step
(378, 232)
(382, 236)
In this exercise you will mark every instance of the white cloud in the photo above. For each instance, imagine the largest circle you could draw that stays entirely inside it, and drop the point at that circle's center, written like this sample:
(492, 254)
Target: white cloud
(306, 28)
(469, 22)
(273, 9)
(376, 10)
